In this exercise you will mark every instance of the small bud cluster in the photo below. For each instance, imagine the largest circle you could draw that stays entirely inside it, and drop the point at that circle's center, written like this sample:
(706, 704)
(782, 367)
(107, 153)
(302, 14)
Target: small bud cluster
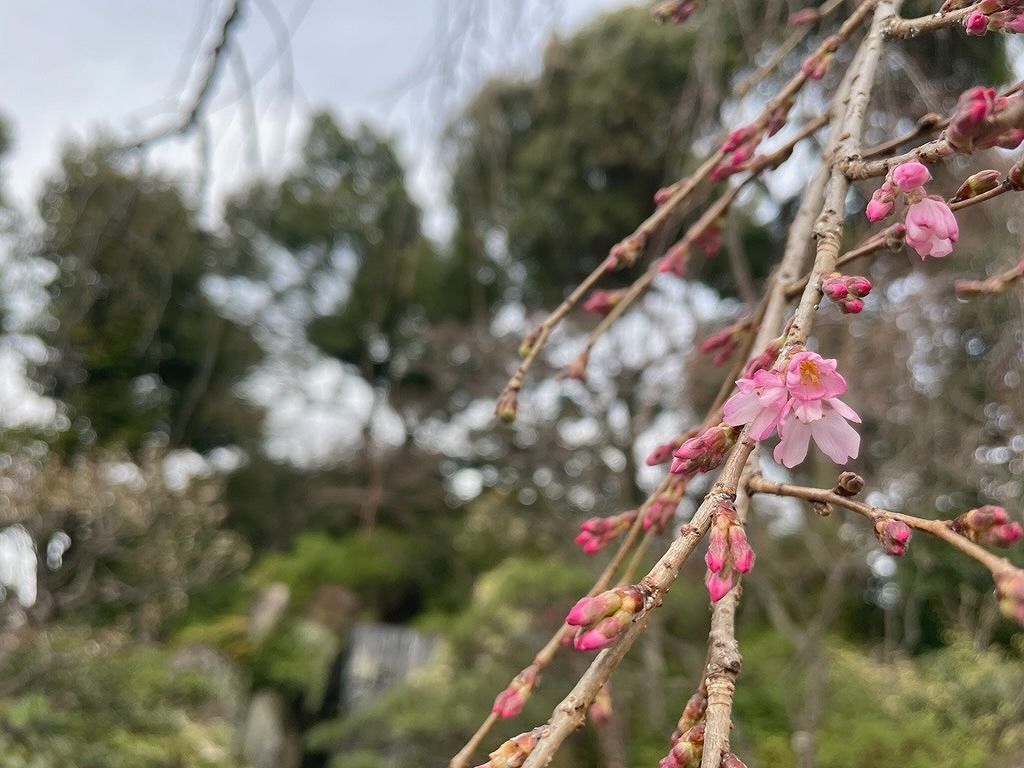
(988, 525)
(893, 535)
(931, 227)
(1010, 593)
(848, 291)
(661, 511)
(817, 65)
(602, 302)
(704, 452)
(510, 701)
(674, 11)
(971, 124)
(513, 753)
(724, 342)
(728, 552)
(686, 751)
(687, 742)
(742, 143)
(664, 451)
(626, 252)
(603, 618)
(598, 532)
(996, 16)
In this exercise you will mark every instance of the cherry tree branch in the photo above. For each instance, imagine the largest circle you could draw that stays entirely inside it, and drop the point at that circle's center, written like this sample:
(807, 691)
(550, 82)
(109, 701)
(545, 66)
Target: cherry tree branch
(940, 529)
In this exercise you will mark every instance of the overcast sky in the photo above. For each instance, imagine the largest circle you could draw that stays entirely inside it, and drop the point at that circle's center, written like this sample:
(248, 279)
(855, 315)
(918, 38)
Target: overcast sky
(71, 68)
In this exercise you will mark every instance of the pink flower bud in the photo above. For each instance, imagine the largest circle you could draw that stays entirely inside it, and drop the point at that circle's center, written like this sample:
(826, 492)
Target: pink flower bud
(1004, 535)
(835, 287)
(509, 702)
(858, 286)
(729, 760)
(976, 24)
(972, 109)
(718, 585)
(602, 302)
(909, 176)
(686, 750)
(851, 306)
(893, 535)
(589, 610)
(706, 451)
(718, 548)
(603, 618)
(692, 714)
(661, 454)
(742, 554)
(881, 203)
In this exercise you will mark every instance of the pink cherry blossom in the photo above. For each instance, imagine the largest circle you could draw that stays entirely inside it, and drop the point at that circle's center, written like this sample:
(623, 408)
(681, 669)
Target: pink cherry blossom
(824, 421)
(811, 377)
(931, 228)
(759, 403)
(908, 176)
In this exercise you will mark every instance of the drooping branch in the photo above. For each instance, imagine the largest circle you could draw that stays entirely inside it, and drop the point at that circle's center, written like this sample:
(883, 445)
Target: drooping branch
(940, 529)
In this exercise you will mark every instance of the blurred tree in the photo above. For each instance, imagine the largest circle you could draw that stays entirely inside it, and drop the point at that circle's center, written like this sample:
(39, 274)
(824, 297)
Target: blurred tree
(138, 349)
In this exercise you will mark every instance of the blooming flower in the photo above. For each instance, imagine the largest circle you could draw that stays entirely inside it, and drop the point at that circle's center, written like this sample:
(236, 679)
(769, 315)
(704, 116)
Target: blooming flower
(811, 377)
(931, 228)
(826, 422)
(759, 403)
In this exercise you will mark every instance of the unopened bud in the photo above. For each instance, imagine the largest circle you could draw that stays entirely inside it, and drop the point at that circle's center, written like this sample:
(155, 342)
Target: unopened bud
(602, 618)
(513, 753)
(577, 369)
(626, 252)
(686, 751)
(729, 760)
(507, 406)
(978, 184)
(704, 452)
(692, 714)
(849, 484)
(821, 508)
(603, 302)
(526, 347)
(509, 702)
(893, 535)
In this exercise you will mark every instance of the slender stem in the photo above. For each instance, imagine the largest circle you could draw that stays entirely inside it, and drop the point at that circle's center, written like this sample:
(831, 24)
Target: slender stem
(784, 49)
(940, 529)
